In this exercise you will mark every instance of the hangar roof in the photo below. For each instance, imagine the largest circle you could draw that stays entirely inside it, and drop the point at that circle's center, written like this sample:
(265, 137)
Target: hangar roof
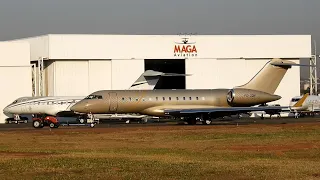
(111, 46)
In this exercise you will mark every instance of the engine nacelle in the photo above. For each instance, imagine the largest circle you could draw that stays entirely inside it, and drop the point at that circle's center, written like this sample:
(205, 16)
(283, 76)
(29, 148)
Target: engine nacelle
(249, 97)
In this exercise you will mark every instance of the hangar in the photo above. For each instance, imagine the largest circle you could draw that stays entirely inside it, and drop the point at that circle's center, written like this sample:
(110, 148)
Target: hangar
(78, 64)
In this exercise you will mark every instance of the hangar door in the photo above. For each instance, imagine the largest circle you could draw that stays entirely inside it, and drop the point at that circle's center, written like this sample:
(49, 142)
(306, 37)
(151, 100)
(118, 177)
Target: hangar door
(168, 66)
(71, 78)
(99, 75)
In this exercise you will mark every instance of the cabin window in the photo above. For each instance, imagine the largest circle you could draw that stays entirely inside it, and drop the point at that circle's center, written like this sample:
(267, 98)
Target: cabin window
(157, 98)
(197, 98)
(190, 98)
(177, 98)
(169, 98)
(123, 99)
(143, 99)
(184, 98)
(164, 98)
(137, 99)
(129, 98)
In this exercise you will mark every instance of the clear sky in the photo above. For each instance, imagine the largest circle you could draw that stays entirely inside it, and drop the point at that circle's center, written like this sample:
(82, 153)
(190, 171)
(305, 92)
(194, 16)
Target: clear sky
(24, 18)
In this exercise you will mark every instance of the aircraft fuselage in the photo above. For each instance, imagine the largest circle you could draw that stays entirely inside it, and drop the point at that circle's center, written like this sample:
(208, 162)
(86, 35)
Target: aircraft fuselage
(153, 102)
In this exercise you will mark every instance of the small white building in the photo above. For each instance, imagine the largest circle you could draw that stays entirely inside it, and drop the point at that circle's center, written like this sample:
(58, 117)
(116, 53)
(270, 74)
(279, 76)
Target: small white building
(15, 73)
(81, 64)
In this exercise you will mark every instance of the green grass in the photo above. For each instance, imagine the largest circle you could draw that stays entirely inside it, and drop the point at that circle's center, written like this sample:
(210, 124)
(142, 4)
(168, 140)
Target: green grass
(177, 152)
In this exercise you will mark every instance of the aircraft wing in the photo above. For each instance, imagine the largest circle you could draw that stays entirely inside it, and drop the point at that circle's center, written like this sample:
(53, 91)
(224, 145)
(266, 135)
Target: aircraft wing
(221, 110)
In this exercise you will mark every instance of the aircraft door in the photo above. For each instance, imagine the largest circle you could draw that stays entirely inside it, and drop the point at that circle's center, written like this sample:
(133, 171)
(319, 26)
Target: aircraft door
(24, 107)
(113, 102)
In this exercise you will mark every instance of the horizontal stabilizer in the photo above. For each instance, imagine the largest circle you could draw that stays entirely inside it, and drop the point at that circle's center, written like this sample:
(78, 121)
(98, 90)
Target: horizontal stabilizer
(288, 64)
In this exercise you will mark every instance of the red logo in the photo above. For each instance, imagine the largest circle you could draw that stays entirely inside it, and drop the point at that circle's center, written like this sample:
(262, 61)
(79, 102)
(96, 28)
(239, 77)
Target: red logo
(185, 49)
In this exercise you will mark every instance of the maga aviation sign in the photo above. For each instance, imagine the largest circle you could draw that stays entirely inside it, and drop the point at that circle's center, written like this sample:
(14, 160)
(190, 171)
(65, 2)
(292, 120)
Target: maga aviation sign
(185, 48)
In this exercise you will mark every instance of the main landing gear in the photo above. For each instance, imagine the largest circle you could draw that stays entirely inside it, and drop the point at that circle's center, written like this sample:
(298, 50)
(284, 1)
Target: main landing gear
(193, 121)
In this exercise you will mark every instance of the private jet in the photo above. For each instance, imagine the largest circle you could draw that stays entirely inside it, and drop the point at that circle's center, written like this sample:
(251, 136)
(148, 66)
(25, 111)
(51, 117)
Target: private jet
(305, 105)
(191, 106)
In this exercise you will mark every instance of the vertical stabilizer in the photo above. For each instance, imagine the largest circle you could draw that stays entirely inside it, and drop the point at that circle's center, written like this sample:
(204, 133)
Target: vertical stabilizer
(269, 77)
(301, 101)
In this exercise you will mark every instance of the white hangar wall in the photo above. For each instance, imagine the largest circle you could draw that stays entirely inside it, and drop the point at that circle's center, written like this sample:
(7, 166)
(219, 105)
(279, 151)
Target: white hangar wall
(15, 73)
(162, 46)
(89, 46)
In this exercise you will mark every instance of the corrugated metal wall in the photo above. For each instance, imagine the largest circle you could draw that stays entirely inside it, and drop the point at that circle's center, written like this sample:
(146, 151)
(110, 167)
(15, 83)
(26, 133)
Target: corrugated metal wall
(71, 78)
(82, 77)
(99, 75)
(126, 72)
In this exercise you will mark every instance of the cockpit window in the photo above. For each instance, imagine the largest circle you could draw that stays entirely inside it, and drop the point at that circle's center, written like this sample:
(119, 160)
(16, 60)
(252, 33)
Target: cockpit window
(14, 102)
(94, 97)
(295, 99)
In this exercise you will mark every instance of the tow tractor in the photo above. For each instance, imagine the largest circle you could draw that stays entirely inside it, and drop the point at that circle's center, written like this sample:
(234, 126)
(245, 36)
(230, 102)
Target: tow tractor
(40, 122)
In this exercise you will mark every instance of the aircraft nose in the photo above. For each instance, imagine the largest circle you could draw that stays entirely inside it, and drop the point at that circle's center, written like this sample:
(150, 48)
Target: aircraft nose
(7, 112)
(81, 107)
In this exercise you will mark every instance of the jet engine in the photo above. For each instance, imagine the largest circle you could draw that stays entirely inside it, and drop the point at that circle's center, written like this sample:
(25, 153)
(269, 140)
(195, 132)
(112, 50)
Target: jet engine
(249, 97)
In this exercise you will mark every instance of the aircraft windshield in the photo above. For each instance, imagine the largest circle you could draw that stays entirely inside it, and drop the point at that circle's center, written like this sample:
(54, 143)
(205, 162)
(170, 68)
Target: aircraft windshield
(14, 102)
(94, 97)
(295, 99)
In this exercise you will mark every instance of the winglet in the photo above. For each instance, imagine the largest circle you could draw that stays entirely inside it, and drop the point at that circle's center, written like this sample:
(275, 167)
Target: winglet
(301, 101)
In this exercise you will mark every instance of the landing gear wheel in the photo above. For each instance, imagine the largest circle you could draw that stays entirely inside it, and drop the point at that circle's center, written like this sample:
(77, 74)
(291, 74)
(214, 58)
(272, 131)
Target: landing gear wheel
(81, 121)
(25, 121)
(207, 122)
(37, 124)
